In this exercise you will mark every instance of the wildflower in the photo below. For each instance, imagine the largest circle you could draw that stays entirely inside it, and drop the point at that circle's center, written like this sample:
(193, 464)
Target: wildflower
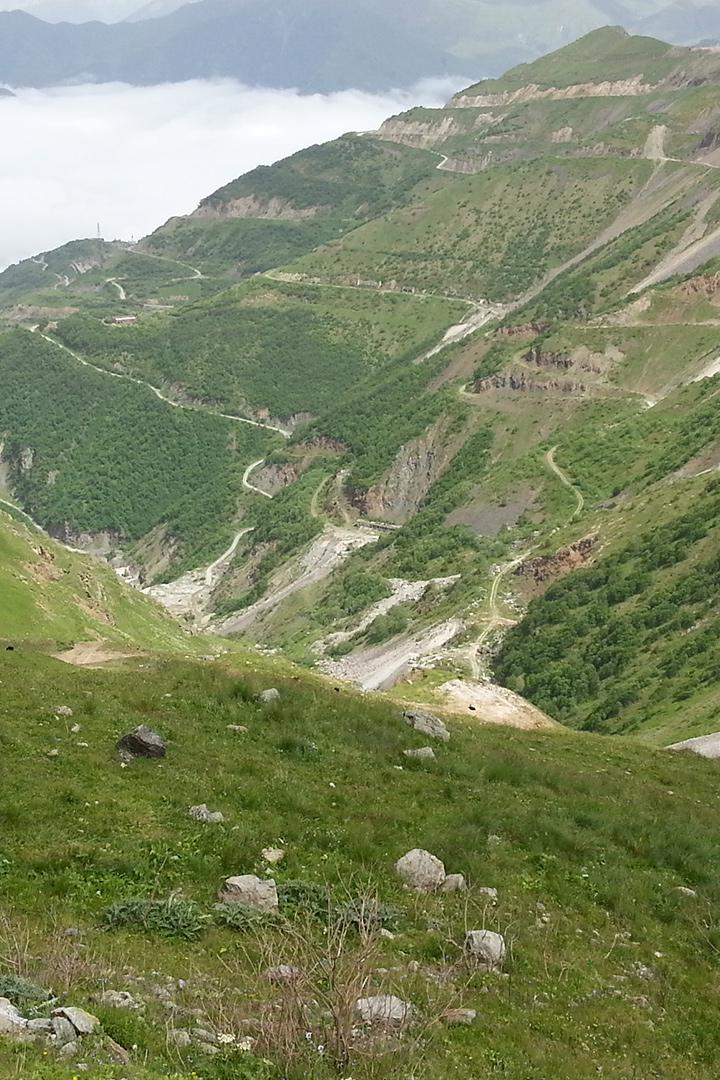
(226, 1038)
(246, 1044)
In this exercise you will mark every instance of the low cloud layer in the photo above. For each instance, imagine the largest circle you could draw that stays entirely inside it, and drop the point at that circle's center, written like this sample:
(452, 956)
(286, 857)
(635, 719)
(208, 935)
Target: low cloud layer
(130, 157)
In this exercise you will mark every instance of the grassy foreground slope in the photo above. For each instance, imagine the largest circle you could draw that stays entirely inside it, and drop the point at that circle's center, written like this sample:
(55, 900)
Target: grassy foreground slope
(611, 969)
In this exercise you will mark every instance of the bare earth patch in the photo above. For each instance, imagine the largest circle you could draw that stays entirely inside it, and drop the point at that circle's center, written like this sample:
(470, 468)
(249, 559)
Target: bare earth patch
(92, 654)
(495, 705)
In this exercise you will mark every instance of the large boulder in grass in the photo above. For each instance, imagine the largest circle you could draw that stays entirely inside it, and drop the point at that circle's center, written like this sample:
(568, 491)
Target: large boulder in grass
(143, 742)
(427, 724)
(421, 871)
(250, 891)
(485, 949)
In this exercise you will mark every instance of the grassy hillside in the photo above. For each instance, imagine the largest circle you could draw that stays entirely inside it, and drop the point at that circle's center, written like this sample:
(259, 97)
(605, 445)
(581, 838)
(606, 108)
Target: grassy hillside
(53, 596)
(600, 939)
(493, 235)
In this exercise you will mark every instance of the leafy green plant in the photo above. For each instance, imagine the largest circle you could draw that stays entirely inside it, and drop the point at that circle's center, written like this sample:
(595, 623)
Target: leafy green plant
(22, 992)
(171, 918)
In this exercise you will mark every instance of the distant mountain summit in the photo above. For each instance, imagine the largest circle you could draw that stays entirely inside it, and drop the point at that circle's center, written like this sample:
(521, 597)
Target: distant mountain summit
(319, 46)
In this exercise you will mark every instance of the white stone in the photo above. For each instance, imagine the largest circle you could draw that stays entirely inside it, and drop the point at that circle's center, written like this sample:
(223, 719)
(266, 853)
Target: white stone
(383, 1009)
(270, 697)
(207, 817)
(486, 948)
(421, 871)
(251, 891)
(453, 883)
(425, 753)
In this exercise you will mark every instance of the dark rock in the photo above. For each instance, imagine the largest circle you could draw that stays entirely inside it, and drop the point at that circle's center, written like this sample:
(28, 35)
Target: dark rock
(143, 742)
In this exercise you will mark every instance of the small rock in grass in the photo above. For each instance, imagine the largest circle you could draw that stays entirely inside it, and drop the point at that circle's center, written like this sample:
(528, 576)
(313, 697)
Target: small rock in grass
(273, 855)
(427, 724)
(453, 883)
(269, 697)
(180, 1038)
(203, 1035)
(143, 742)
(684, 891)
(207, 817)
(118, 999)
(454, 1017)
(63, 710)
(53, 753)
(238, 729)
(69, 1049)
(387, 935)
(492, 894)
(421, 871)
(251, 891)
(383, 1009)
(425, 753)
(208, 1048)
(283, 973)
(485, 948)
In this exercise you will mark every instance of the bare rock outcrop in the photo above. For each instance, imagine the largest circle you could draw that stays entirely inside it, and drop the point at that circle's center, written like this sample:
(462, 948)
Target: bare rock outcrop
(549, 567)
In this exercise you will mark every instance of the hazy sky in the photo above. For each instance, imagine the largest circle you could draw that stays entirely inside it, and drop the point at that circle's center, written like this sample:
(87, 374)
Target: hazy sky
(130, 157)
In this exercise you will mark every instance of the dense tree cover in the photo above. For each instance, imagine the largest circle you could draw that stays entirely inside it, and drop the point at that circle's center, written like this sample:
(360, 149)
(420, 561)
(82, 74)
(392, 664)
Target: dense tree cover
(92, 453)
(352, 176)
(605, 645)
(244, 245)
(352, 591)
(266, 345)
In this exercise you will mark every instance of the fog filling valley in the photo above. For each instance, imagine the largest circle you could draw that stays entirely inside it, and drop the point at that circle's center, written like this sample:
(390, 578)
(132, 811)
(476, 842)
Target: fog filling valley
(127, 158)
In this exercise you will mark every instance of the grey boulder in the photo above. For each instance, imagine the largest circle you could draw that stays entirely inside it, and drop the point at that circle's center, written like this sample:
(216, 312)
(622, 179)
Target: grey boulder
(421, 871)
(251, 891)
(383, 1009)
(270, 697)
(427, 724)
(485, 949)
(425, 753)
(83, 1022)
(143, 742)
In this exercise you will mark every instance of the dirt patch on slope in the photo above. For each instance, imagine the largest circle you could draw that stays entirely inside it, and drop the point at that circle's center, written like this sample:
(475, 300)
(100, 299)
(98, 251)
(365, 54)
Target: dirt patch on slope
(489, 519)
(93, 654)
(493, 704)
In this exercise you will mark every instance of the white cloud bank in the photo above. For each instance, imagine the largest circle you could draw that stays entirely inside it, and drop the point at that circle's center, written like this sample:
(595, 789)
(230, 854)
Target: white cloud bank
(130, 157)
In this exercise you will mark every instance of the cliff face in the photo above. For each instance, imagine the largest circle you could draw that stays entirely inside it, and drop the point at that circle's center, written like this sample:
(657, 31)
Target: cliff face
(416, 468)
(254, 206)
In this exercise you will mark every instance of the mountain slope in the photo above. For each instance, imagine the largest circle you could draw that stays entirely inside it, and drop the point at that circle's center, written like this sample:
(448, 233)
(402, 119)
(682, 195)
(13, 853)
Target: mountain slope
(406, 383)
